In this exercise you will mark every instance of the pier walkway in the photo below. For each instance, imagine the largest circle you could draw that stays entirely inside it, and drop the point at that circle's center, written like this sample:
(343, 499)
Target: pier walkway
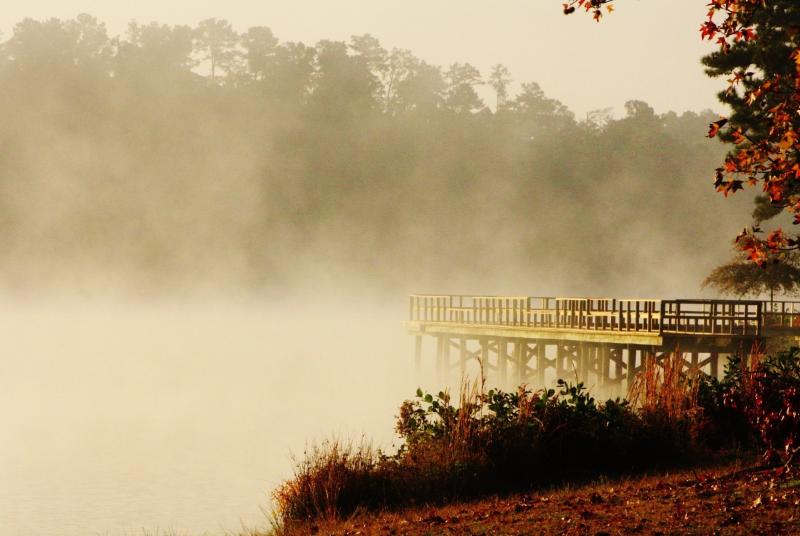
(604, 340)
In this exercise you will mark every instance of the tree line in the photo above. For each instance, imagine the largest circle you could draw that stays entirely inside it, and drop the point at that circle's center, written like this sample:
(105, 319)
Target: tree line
(177, 156)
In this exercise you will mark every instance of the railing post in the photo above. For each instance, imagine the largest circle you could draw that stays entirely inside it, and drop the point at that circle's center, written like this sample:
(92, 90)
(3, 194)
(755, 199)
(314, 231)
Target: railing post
(746, 312)
(528, 311)
(576, 314)
(759, 324)
(662, 316)
(613, 317)
(732, 316)
(558, 317)
(627, 316)
(713, 317)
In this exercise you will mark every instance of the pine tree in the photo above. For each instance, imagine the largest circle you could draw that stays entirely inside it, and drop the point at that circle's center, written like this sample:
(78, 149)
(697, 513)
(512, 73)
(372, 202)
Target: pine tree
(763, 58)
(741, 277)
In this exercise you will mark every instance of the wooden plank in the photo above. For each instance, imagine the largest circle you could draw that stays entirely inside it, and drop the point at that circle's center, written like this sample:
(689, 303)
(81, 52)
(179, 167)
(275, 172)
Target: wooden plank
(556, 334)
(541, 365)
(418, 352)
(502, 367)
(604, 369)
(630, 365)
(462, 357)
(441, 351)
(714, 362)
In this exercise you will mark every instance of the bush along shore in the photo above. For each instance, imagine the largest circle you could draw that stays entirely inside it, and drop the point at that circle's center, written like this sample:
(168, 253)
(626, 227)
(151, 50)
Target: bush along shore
(489, 442)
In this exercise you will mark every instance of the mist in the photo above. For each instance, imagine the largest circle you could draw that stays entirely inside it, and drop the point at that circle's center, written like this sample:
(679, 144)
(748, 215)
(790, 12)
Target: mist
(120, 418)
(133, 166)
(209, 235)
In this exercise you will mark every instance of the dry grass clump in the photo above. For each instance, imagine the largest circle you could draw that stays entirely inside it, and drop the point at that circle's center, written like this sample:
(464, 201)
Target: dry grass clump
(664, 386)
(331, 478)
(678, 403)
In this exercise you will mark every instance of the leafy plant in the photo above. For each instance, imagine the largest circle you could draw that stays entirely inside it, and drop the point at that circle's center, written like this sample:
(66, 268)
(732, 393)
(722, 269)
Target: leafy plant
(496, 441)
(775, 408)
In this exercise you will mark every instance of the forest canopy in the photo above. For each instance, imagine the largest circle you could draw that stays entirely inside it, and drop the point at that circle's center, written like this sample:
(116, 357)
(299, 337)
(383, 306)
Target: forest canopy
(205, 155)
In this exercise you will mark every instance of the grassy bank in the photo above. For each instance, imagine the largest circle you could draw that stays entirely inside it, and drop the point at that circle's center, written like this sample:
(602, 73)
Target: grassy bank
(490, 442)
(722, 500)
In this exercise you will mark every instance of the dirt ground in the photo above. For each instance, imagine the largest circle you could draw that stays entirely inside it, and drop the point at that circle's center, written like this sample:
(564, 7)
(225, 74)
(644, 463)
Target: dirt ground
(728, 500)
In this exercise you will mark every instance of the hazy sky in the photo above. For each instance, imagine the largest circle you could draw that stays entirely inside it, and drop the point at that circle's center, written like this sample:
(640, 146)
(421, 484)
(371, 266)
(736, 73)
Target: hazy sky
(646, 49)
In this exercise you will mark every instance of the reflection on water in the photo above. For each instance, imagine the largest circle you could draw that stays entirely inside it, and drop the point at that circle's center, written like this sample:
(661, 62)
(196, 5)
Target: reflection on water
(116, 419)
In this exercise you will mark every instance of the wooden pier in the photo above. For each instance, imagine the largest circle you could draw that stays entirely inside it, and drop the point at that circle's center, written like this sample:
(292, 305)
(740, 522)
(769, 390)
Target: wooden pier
(601, 341)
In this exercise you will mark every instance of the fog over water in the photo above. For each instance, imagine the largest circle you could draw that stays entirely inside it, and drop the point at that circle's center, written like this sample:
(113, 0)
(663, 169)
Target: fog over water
(119, 417)
(201, 274)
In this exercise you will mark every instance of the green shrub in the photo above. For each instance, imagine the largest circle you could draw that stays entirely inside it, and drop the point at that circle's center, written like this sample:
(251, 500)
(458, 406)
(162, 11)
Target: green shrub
(489, 442)
(496, 441)
(724, 422)
(775, 407)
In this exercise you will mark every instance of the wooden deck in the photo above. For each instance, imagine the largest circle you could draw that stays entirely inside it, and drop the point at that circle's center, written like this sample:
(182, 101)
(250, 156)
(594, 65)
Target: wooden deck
(715, 318)
(584, 330)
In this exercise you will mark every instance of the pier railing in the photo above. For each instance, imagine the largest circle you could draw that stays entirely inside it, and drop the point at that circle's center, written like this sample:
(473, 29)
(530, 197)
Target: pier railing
(680, 317)
(712, 317)
(782, 314)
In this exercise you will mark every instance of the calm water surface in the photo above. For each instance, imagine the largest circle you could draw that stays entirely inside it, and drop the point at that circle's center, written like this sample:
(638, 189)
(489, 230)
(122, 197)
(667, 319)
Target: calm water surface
(117, 419)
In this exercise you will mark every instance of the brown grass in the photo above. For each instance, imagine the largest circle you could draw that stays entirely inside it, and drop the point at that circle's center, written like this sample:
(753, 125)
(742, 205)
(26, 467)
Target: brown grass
(725, 500)
(325, 477)
(663, 386)
(749, 369)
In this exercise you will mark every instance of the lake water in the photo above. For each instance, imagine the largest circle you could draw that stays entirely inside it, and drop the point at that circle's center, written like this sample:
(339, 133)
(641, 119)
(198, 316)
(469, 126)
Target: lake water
(116, 419)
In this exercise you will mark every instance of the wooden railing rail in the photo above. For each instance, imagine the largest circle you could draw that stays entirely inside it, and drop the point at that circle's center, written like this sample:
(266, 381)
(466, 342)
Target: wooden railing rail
(547, 312)
(689, 317)
(712, 317)
(781, 314)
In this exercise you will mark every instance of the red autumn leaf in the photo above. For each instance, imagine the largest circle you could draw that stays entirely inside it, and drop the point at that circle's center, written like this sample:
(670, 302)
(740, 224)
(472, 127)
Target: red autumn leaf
(776, 239)
(713, 128)
(708, 29)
